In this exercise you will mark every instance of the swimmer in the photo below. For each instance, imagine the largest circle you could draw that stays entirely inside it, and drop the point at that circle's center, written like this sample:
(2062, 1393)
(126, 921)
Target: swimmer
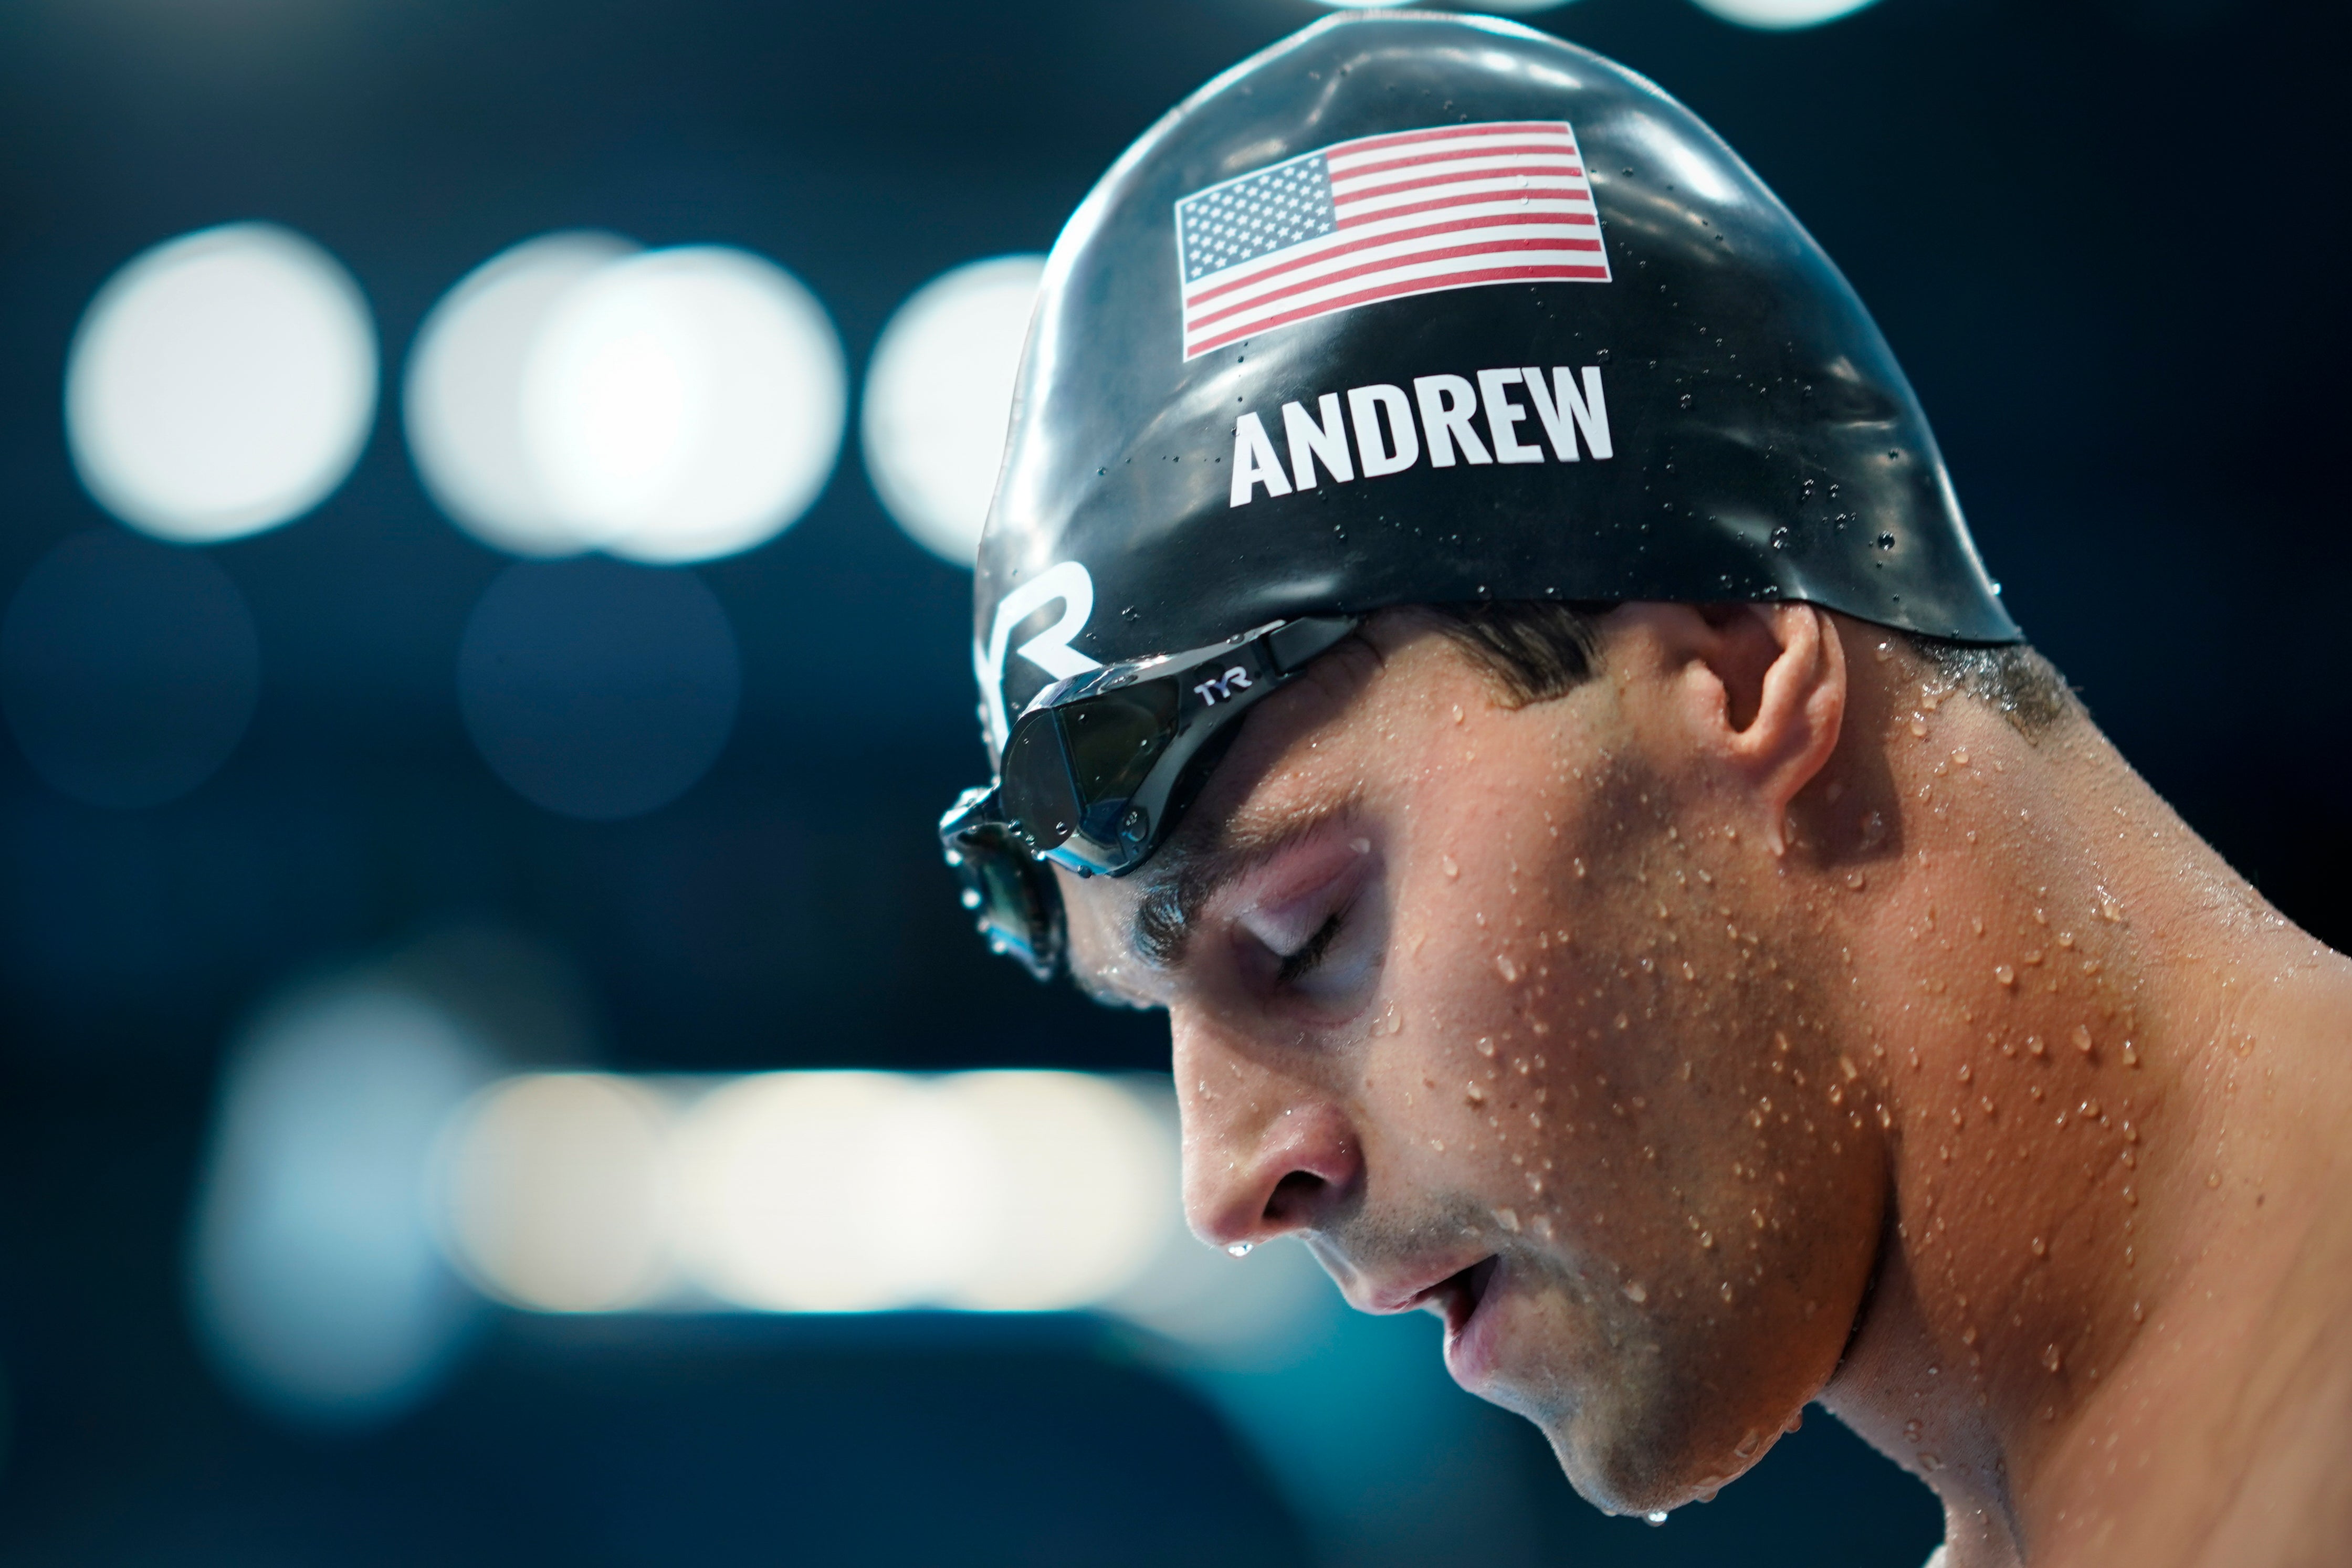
(1474, 626)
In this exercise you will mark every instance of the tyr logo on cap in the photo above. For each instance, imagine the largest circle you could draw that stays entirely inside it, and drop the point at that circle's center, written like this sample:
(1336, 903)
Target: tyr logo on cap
(1049, 649)
(1381, 218)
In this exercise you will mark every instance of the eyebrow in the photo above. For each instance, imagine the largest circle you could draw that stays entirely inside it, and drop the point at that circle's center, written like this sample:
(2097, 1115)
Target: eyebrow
(1194, 872)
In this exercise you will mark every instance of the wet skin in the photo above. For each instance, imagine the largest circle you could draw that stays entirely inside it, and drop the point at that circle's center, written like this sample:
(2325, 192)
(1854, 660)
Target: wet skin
(1758, 1023)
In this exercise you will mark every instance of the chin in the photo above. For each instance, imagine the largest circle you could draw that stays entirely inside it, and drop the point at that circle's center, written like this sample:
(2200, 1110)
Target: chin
(1627, 1445)
(1615, 1475)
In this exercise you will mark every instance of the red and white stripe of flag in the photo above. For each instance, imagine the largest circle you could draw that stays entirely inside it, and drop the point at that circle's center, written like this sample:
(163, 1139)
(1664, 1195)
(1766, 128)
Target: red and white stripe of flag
(1418, 212)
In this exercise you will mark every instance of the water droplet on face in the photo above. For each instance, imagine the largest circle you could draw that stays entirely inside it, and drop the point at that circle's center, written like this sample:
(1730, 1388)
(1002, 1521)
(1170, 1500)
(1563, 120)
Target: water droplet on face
(1919, 725)
(1241, 1248)
(1509, 1219)
(1748, 1445)
(2053, 1358)
(1476, 1095)
(1485, 1046)
(2039, 1247)
(1930, 1463)
(1447, 863)
(2007, 977)
(1656, 1516)
(1506, 968)
(2083, 1038)
(2109, 910)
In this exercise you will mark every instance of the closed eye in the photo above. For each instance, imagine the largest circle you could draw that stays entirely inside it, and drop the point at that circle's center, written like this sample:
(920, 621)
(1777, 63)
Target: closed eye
(1298, 966)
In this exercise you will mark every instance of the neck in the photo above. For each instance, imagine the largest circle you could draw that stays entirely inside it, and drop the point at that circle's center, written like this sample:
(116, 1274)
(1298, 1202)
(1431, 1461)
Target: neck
(2099, 1056)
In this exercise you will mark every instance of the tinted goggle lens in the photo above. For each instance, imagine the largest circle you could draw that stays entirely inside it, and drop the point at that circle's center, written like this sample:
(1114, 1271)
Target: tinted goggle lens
(1099, 768)
(1013, 897)
(1075, 768)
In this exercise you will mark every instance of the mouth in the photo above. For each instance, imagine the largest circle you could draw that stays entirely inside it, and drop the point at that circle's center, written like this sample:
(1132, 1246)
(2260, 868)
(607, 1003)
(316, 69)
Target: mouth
(1460, 1299)
(1456, 1298)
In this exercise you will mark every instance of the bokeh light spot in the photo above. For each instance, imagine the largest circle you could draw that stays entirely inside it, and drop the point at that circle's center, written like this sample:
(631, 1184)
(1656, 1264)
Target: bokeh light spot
(683, 405)
(598, 689)
(556, 1191)
(938, 398)
(221, 384)
(128, 670)
(463, 398)
(316, 1280)
(1080, 1169)
(1783, 15)
(830, 1192)
(1485, 8)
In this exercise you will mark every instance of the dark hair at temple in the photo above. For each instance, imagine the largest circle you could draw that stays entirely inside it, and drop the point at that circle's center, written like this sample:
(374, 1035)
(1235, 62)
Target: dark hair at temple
(1537, 649)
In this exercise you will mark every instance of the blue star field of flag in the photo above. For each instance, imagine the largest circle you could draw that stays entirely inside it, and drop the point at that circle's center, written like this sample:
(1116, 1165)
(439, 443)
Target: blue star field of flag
(1231, 224)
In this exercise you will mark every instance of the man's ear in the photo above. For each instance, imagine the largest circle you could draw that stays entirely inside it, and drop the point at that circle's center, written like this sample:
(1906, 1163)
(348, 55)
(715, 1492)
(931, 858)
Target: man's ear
(1761, 687)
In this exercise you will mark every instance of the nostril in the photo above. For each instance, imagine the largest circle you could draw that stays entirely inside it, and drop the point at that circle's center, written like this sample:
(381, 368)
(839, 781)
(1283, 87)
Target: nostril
(1293, 1198)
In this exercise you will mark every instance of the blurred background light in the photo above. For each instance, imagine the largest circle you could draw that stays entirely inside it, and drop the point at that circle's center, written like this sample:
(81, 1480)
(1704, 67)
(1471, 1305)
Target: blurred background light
(128, 670)
(595, 688)
(556, 1191)
(463, 398)
(938, 400)
(831, 1192)
(683, 405)
(1782, 14)
(828, 1192)
(992, 1191)
(316, 1282)
(221, 384)
(1080, 1174)
(1487, 7)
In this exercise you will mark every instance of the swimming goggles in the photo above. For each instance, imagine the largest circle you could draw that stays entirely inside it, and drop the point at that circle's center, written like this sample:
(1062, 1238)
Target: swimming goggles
(1098, 770)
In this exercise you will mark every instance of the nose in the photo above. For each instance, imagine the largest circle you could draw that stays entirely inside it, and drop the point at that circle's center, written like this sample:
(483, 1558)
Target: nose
(1268, 1150)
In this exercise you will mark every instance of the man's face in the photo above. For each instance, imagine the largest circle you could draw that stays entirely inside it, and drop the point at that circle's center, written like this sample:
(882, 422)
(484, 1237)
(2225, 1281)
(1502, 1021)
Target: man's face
(1509, 1014)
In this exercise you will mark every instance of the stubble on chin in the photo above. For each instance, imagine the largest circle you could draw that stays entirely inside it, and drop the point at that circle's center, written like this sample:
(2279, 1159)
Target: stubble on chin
(1613, 1386)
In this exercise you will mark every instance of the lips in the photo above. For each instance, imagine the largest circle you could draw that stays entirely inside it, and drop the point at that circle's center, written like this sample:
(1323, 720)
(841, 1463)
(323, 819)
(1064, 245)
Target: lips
(1463, 1299)
(1455, 1297)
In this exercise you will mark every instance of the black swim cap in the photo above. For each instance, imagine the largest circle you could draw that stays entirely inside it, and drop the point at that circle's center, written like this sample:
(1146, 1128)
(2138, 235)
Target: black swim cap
(1417, 309)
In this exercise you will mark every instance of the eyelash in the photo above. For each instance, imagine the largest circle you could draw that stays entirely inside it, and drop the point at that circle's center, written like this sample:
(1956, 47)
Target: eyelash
(1296, 967)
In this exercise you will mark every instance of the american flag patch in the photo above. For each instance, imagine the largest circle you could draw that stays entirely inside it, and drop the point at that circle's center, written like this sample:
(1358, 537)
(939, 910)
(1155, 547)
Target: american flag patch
(1381, 218)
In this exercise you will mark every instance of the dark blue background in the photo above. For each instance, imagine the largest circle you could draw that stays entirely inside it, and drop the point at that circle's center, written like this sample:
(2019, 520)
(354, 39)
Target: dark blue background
(2103, 234)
